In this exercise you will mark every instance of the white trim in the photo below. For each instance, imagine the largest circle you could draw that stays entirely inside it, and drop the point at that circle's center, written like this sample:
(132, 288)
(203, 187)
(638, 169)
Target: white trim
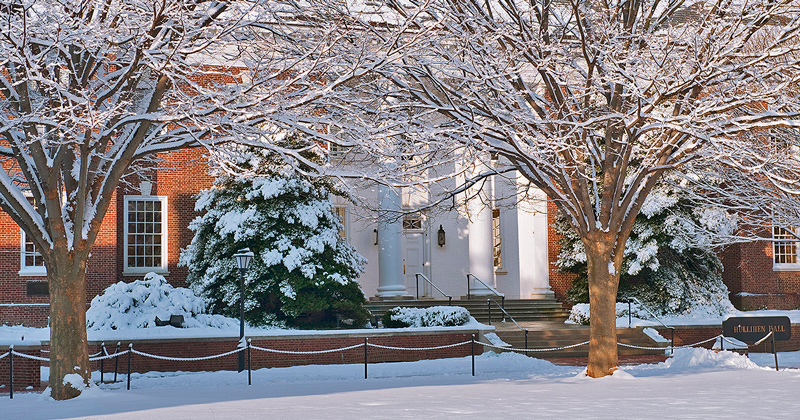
(164, 236)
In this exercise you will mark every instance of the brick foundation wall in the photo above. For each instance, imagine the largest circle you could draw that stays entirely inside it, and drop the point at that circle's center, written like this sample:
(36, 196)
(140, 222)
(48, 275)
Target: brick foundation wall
(262, 359)
(26, 371)
(694, 334)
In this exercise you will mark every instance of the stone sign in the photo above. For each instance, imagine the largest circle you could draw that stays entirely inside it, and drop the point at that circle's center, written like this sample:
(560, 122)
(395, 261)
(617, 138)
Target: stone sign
(756, 328)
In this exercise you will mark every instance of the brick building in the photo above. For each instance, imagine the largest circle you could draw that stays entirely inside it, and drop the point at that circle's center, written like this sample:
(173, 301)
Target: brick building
(510, 248)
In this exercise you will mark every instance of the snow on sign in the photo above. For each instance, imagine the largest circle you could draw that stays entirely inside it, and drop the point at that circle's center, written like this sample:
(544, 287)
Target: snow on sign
(756, 328)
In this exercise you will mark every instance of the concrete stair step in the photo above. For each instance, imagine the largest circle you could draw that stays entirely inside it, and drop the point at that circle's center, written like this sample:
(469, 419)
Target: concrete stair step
(519, 309)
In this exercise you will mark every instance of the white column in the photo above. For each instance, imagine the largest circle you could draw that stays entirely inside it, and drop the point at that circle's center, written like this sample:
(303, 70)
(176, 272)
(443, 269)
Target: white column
(481, 261)
(533, 248)
(390, 257)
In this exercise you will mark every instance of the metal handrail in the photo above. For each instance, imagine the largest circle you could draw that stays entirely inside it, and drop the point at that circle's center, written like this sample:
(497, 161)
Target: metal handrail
(506, 314)
(671, 328)
(449, 298)
(491, 289)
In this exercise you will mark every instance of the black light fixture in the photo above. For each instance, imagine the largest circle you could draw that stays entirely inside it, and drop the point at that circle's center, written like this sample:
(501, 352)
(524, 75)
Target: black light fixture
(440, 239)
(376, 236)
(243, 258)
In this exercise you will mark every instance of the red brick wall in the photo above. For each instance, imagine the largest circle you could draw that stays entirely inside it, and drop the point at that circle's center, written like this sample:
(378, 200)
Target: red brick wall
(26, 371)
(101, 272)
(748, 269)
(559, 282)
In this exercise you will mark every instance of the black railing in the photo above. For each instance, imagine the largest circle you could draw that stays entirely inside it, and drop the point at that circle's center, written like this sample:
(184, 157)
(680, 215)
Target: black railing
(506, 314)
(424, 277)
(628, 300)
(490, 288)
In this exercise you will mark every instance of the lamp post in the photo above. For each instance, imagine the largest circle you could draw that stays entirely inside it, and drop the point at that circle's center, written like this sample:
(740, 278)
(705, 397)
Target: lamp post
(243, 258)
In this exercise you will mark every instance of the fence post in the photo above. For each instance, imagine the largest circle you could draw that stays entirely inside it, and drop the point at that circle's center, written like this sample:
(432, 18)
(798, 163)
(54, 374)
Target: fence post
(130, 353)
(365, 357)
(249, 362)
(102, 361)
(11, 370)
(472, 350)
(116, 362)
(774, 352)
(629, 313)
(526, 339)
(489, 304)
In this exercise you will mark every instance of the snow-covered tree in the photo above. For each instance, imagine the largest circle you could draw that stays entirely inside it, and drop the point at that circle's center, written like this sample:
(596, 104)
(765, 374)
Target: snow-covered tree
(304, 273)
(670, 262)
(90, 89)
(592, 102)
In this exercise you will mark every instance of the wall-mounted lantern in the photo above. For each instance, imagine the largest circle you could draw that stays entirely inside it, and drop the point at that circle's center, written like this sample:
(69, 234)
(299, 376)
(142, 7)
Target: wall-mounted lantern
(440, 239)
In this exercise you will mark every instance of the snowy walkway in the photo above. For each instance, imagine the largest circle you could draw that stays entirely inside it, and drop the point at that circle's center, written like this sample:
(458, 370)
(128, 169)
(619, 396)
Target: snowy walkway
(695, 384)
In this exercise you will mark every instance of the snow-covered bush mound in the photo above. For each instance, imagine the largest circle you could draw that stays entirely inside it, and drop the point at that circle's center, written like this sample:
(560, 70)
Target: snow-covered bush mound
(137, 304)
(692, 359)
(435, 316)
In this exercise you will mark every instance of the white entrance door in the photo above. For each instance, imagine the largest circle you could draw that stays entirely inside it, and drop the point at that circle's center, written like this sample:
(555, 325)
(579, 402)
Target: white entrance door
(414, 260)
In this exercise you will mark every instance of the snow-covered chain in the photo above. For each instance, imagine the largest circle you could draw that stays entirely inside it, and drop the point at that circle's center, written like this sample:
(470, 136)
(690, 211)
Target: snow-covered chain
(4, 355)
(418, 348)
(308, 352)
(533, 350)
(107, 356)
(185, 359)
(28, 356)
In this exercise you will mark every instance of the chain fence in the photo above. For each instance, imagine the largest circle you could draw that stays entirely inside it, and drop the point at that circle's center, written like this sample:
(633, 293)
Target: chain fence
(104, 355)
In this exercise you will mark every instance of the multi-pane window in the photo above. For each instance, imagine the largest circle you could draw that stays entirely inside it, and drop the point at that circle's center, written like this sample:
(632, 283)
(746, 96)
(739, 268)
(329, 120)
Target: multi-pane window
(145, 233)
(497, 249)
(784, 247)
(31, 262)
(32, 257)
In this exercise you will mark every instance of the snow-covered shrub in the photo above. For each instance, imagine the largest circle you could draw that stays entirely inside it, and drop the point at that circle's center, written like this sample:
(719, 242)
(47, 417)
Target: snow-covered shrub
(435, 316)
(669, 262)
(304, 272)
(137, 304)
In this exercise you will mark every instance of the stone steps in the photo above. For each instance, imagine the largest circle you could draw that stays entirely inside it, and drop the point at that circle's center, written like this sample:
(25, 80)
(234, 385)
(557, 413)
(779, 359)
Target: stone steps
(521, 310)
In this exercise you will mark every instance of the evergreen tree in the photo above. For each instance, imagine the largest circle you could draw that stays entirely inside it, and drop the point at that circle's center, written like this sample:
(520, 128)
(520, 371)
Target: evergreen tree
(304, 272)
(670, 264)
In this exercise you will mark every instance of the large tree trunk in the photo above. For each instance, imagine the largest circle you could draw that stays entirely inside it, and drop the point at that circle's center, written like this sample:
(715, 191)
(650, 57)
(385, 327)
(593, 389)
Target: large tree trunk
(603, 284)
(69, 354)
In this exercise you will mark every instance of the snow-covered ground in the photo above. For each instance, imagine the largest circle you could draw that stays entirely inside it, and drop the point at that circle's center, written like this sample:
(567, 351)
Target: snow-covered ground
(696, 383)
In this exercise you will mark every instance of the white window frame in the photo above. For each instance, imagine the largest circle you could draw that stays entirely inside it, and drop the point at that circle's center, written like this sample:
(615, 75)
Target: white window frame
(784, 242)
(28, 270)
(163, 268)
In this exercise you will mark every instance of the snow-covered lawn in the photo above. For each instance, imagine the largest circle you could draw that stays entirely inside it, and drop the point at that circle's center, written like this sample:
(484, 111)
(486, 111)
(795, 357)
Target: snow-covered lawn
(696, 383)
